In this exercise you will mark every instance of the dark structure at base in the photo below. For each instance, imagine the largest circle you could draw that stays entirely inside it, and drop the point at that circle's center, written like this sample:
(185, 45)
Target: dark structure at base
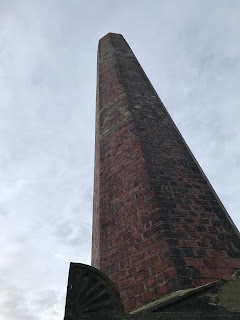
(91, 295)
(89, 291)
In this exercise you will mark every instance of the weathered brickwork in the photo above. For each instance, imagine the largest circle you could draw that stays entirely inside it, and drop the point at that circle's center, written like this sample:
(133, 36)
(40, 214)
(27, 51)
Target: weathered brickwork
(158, 225)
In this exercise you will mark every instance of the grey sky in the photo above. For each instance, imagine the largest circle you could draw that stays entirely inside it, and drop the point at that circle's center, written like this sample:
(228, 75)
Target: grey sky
(190, 51)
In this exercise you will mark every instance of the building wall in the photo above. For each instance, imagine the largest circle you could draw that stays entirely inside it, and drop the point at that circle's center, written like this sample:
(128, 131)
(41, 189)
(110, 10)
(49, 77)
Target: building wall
(158, 225)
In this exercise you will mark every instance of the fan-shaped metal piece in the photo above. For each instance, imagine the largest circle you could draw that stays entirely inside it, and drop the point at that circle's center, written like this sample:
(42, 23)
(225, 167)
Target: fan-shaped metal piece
(90, 291)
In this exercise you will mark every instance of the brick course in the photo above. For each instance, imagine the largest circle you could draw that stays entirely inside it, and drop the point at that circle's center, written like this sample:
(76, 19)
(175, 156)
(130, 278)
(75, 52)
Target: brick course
(158, 225)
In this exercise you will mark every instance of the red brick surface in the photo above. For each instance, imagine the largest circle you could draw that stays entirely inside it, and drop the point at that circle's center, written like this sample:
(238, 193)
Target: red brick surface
(158, 225)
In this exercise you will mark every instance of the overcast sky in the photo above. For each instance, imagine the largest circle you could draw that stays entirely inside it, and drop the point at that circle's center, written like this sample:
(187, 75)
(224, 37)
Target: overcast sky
(190, 51)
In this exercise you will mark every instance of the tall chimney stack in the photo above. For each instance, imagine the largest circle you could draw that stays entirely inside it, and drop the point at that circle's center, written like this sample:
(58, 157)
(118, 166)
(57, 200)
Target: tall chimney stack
(158, 225)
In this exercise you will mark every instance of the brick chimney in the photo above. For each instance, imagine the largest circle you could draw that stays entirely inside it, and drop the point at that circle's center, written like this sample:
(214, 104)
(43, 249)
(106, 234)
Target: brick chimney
(158, 225)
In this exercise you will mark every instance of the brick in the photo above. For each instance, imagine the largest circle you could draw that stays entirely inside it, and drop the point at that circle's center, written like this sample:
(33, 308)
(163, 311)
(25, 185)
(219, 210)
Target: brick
(118, 276)
(170, 273)
(189, 243)
(144, 244)
(139, 288)
(125, 263)
(193, 262)
(126, 283)
(155, 248)
(160, 279)
(161, 290)
(130, 304)
(138, 256)
(150, 283)
(140, 276)
(165, 254)
(145, 264)
(146, 297)
(161, 267)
